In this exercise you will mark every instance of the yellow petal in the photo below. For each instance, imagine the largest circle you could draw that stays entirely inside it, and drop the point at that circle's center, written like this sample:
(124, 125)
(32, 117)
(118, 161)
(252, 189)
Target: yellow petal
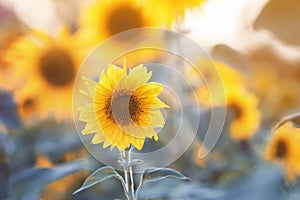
(149, 90)
(91, 85)
(138, 76)
(91, 127)
(157, 118)
(98, 138)
(86, 108)
(87, 117)
(144, 119)
(138, 143)
(114, 75)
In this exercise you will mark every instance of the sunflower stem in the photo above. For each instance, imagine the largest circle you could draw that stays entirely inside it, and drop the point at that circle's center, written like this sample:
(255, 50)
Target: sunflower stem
(124, 165)
(131, 175)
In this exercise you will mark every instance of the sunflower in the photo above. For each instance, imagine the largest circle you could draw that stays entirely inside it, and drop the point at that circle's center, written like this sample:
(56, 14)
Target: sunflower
(212, 76)
(42, 71)
(284, 147)
(123, 108)
(103, 19)
(241, 103)
(242, 106)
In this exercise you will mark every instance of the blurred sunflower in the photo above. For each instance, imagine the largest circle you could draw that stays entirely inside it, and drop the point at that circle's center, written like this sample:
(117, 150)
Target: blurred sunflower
(244, 113)
(212, 76)
(42, 71)
(284, 147)
(124, 108)
(103, 19)
(232, 93)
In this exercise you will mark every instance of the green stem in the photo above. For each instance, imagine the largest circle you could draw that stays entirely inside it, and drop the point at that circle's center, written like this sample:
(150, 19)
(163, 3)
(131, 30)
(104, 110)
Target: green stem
(126, 189)
(125, 170)
(131, 175)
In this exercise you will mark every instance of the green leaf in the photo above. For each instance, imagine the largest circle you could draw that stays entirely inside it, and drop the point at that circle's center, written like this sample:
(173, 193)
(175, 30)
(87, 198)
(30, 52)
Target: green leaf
(157, 182)
(157, 174)
(98, 176)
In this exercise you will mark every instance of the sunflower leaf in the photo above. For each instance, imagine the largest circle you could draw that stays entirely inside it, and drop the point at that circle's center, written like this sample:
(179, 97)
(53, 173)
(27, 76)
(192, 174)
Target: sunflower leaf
(99, 176)
(158, 179)
(157, 174)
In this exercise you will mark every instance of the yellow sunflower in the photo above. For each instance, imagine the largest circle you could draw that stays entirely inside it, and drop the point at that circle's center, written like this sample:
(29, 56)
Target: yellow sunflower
(210, 78)
(123, 108)
(103, 19)
(241, 104)
(42, 71)
(284, 147)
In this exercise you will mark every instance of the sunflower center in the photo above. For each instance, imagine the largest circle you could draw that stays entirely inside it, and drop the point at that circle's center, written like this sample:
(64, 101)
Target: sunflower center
(235, 111)
(123, 18)
(28, 103)
(57, 67)
(123, 107)
(281, 149)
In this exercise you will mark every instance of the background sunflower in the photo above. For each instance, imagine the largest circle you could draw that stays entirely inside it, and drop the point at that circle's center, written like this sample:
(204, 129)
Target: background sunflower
(44, 70)
(242, 105)
(103, 19)
(284, 147)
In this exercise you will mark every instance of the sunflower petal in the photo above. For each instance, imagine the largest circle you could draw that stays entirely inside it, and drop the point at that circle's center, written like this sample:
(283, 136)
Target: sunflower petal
(157, 118)
(138, 76)
(91, 127)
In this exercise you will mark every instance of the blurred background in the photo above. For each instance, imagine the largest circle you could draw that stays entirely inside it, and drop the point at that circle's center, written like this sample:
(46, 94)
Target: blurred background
(254, 45)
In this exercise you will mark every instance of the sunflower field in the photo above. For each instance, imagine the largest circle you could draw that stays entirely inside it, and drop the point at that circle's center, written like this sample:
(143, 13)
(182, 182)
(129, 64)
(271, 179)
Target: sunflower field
(147, 99)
